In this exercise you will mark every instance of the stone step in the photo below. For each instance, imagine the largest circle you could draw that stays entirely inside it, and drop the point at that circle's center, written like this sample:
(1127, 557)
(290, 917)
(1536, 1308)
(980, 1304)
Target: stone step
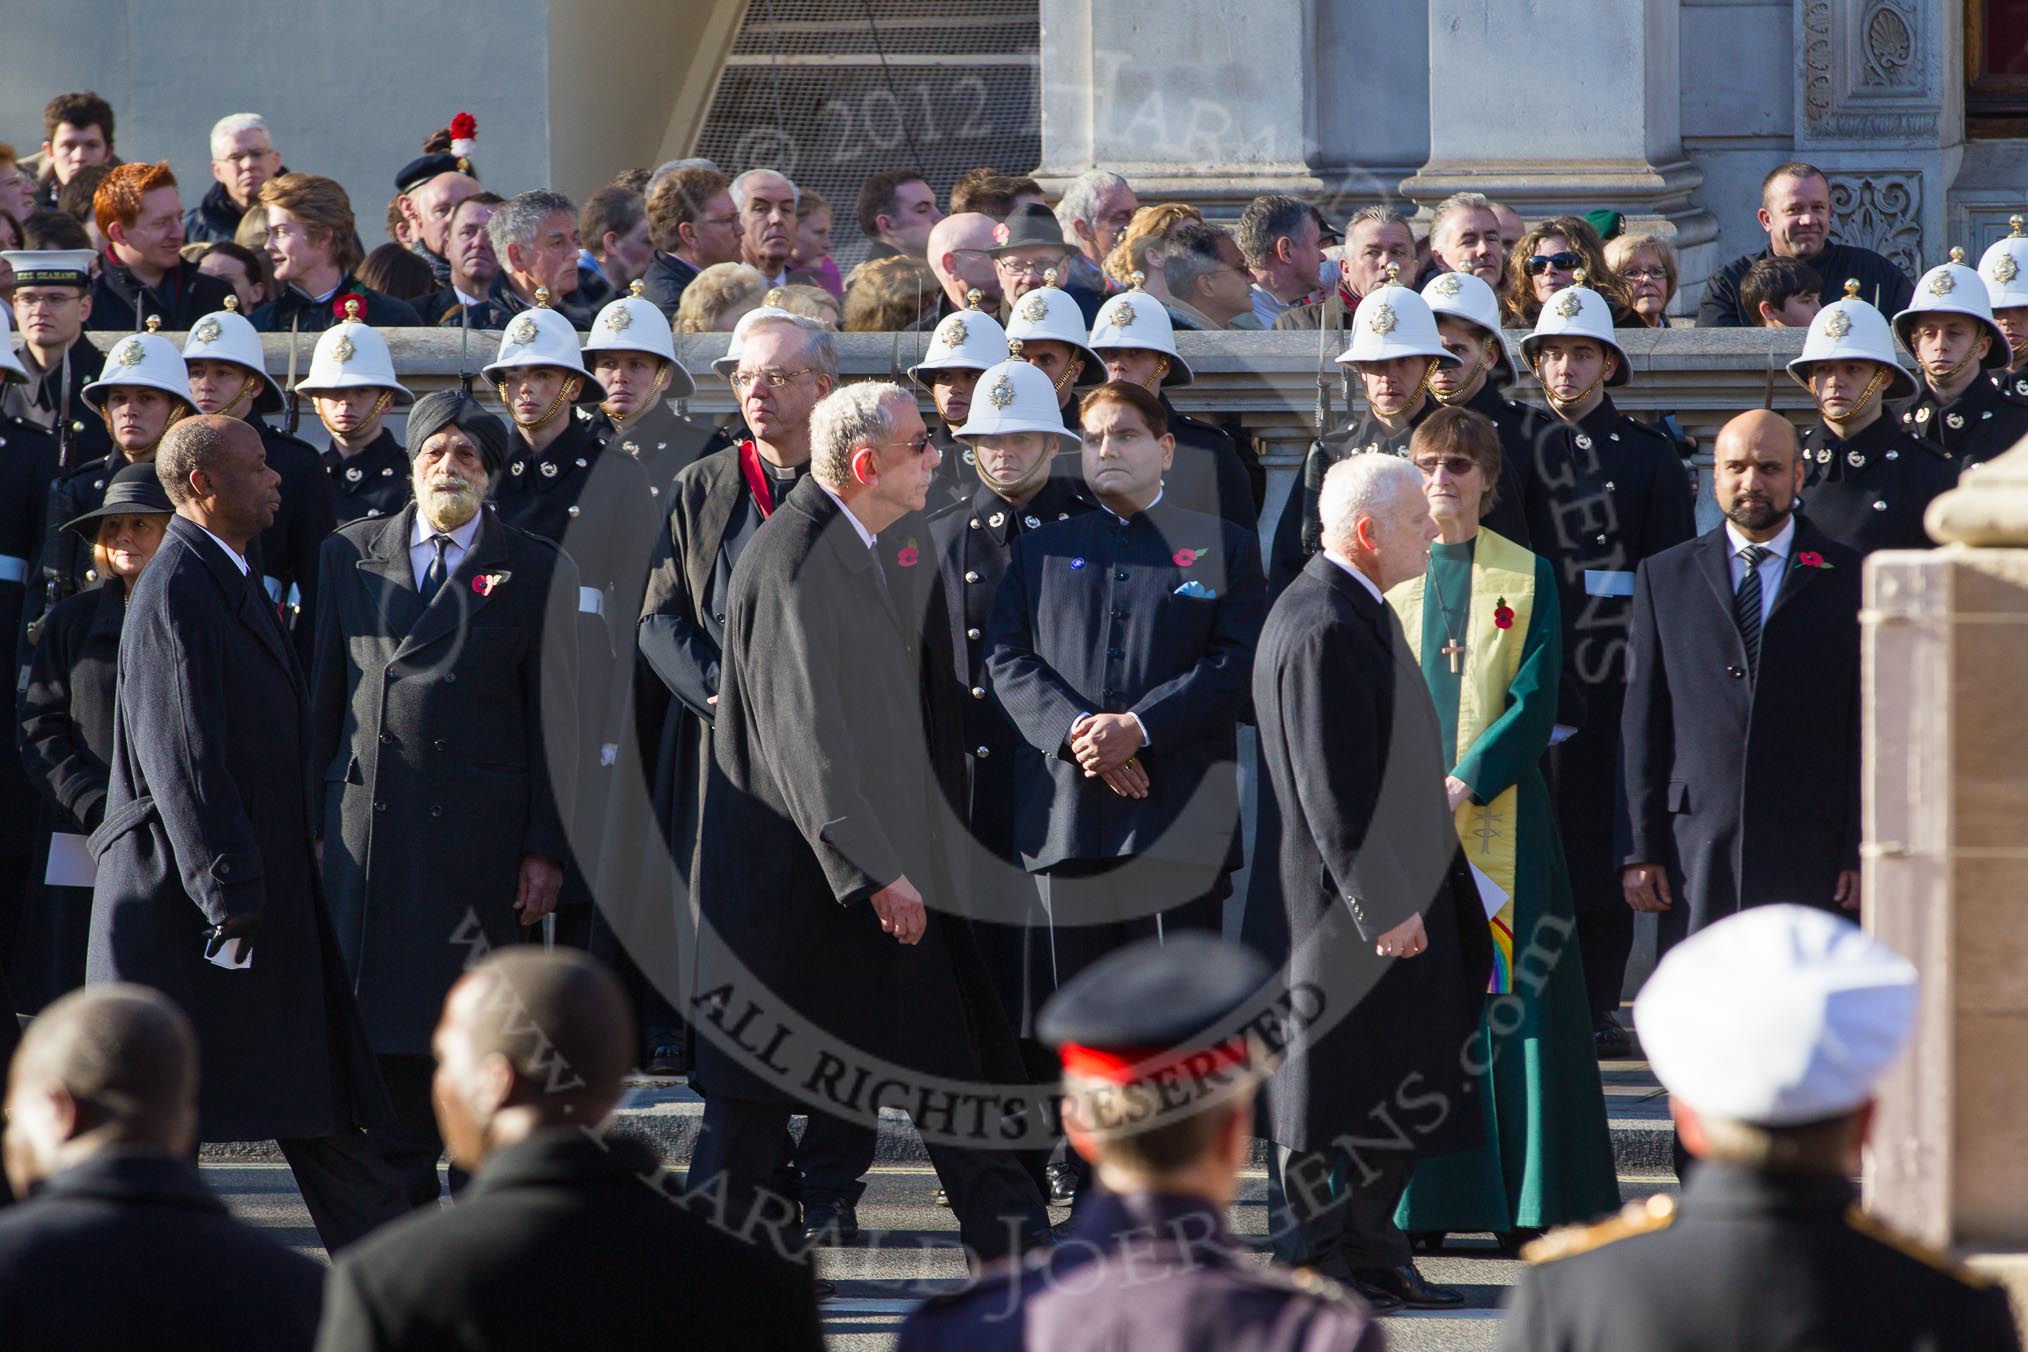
(667, 1112)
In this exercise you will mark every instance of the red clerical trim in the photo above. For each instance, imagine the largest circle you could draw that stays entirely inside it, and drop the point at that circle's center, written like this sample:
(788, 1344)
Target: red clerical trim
(756, 478)
(1133, 1066)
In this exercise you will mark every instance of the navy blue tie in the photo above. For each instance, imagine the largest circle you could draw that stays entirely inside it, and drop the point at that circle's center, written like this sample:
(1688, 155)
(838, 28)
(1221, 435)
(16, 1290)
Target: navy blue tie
(1746, 604)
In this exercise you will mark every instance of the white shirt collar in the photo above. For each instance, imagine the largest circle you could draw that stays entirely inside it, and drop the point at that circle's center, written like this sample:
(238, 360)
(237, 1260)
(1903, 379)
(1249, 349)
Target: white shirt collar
(866, 536)
(1149, 508)
(1364, 580)
(238, 559)
(421, 534)
(1779, 546)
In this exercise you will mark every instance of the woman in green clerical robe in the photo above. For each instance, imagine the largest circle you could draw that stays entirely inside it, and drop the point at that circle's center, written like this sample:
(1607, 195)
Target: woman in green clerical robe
(1484, 624)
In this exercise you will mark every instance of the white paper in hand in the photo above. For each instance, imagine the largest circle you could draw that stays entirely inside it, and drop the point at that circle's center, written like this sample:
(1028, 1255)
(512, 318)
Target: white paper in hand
(1490, 895)
(70, 863)
(232, 955)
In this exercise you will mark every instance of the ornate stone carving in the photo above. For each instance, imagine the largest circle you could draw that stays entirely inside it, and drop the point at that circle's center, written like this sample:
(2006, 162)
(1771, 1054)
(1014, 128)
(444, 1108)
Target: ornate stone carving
(1889, 47)
(1881, 212)
(1867, 71)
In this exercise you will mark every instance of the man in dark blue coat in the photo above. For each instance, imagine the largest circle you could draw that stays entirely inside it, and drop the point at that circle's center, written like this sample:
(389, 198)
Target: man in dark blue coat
(207, 881)
(1740, 740)
(1121, 648)
(120, 1243)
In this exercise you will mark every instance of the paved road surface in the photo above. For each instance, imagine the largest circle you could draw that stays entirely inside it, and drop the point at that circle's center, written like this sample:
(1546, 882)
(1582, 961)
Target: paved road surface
(909, 1248)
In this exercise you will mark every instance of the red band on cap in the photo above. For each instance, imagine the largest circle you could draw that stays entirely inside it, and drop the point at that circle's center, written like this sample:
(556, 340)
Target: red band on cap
(1134, 1065)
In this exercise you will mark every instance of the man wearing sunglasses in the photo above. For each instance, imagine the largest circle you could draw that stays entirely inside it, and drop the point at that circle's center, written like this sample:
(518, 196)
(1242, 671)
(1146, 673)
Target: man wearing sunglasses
(1795, 210)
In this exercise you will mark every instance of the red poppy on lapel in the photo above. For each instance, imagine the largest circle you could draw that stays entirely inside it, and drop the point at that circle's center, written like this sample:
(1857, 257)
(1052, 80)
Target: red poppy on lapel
(1810, 558)
(486, 583)
(1503, 615)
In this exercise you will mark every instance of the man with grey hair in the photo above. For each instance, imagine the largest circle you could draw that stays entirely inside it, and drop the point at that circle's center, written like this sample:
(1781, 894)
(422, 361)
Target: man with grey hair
(1095, 210)
(787, 364)
(766, 202)
(535, 238)
(1209, 285)
(119, 1242)
(1369, 897)
(1465, 236)
(242, 158)
(828, 882)
(961, 257)
(1376, 238)
(207, 880)
(1283, 246)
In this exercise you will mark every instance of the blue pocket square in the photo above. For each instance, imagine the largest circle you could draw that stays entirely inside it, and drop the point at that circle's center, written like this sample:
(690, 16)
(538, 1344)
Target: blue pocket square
(1196, 591)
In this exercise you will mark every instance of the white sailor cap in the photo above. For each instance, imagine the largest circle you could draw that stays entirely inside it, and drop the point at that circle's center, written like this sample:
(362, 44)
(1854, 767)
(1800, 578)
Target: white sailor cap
(1776, 1016)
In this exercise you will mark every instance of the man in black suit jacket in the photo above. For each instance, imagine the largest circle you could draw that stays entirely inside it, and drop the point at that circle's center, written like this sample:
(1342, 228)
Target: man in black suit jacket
(1740, 740)
(1365, 898)
(836, 739)
(564, 1238)
(444, 741)
(205, 852)
(120, 1243)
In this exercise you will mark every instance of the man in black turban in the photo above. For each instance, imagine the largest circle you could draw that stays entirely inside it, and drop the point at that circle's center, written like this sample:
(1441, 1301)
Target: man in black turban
(448, 639)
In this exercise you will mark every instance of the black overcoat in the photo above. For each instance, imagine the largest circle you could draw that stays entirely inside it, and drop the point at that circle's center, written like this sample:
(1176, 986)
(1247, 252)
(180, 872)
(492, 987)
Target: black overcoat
(1985, 420)
(1352, 752)
(208, 817)
(66, 736)
(587, 1214)
(132, 1249)
(445, 737)
(836, 744)
(1158, 617)
(1745, 787)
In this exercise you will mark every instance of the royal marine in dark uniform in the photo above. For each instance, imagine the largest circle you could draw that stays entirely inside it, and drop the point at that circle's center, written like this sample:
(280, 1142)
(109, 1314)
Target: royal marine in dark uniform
(631, 354)
(1148, 1262)
(1769, 1030)
(1628, 499)
(1015, 433)
(558, 476)
(52, 298)
(352, 386)
(228, 376)
(144, 388)
(1948, 328)
(963, 346)
(1869, 479)
(1395, 350)
(2004, 269)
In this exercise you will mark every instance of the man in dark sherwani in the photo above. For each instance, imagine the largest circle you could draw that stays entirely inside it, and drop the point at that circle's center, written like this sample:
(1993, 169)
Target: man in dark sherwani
(205, 856)
(1120, 648)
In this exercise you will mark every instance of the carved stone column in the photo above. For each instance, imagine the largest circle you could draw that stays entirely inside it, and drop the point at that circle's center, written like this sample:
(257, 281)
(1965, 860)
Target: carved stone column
(1945, 642)
(1591, 121)
(1880, 108)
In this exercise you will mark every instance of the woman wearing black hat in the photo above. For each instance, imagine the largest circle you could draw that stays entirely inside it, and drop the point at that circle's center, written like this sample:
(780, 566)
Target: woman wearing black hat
(67, 725)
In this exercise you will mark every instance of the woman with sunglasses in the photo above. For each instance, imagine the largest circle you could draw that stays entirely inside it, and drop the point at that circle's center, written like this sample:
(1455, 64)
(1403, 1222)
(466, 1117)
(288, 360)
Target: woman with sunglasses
(1485, 624)
(66, 728)
(1548, 259)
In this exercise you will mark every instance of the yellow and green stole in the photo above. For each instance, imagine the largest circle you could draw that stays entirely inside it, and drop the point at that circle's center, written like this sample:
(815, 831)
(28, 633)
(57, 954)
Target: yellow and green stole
(1503, 574)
